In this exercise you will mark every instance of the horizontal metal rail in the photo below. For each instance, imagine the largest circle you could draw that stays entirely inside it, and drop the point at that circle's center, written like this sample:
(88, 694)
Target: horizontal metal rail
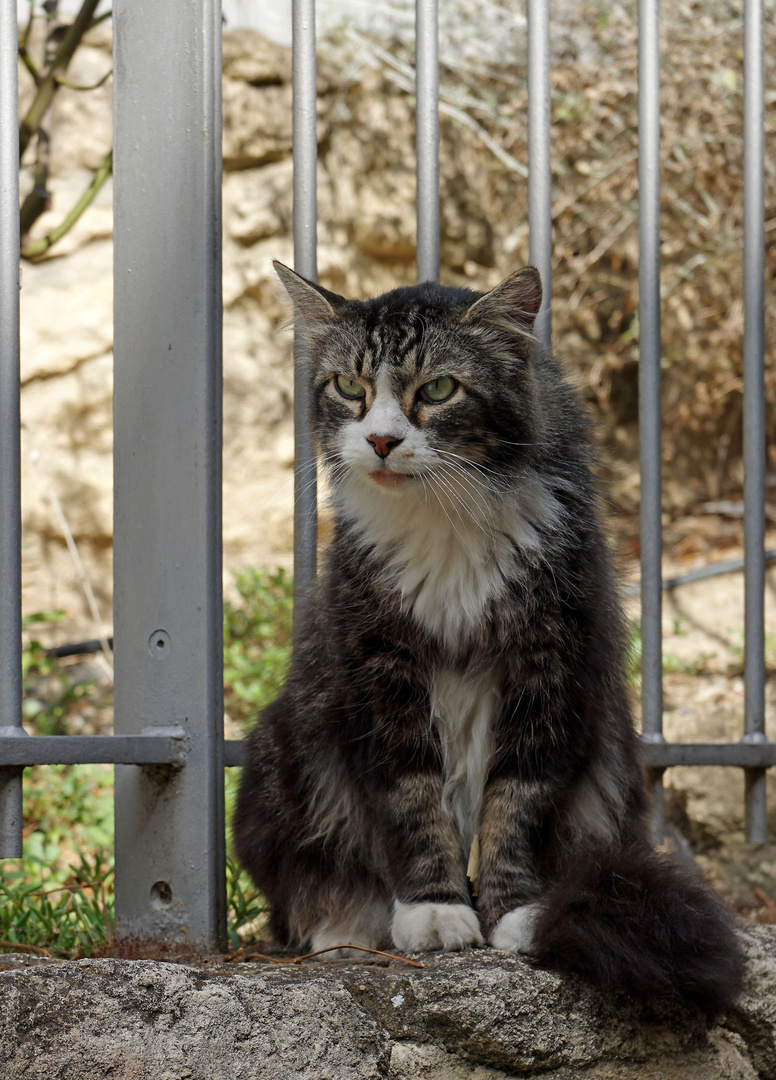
(156, 749)
(744, 755)
(26, 750)
(235, 753)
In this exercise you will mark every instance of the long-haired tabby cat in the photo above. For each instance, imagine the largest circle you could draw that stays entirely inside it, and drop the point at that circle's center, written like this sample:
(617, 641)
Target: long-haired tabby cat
(458, 669)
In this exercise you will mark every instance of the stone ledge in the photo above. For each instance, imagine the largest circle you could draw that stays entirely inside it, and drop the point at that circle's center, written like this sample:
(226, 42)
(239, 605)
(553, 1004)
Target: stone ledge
(477, 1015)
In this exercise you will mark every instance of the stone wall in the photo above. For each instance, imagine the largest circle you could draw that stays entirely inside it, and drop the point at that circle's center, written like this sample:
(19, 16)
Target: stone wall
(478, 1015)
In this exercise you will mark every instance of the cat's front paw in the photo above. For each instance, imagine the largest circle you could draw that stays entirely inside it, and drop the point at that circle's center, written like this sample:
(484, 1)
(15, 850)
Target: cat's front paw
(424, 927)
(514, 932)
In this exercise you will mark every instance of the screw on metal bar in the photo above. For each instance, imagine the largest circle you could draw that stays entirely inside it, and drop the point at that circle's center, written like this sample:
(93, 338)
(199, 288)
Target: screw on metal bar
(159, 645)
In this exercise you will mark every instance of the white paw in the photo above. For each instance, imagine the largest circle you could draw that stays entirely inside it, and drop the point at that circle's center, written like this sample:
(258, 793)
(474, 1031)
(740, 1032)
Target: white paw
(423, 927)
(514, 932)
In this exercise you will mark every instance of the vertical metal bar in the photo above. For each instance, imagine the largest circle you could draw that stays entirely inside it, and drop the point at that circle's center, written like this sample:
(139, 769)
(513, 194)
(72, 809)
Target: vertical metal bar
(170, 872)
(305, 153)
(427, 138)
(539, 161)
(649, 391)
(10, 451)
(754, 412)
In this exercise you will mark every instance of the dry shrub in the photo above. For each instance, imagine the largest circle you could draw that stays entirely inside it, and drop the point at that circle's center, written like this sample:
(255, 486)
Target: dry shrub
(595, 211)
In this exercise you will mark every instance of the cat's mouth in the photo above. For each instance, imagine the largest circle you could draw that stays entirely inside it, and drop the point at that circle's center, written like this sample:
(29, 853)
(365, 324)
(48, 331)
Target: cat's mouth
(387, 478)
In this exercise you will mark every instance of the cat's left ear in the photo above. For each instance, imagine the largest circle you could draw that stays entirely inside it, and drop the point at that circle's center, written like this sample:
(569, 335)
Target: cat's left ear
(314, 305)
(513, 305)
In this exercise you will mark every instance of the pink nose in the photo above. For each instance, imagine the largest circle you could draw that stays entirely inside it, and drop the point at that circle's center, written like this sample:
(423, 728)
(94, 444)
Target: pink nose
(382, 444)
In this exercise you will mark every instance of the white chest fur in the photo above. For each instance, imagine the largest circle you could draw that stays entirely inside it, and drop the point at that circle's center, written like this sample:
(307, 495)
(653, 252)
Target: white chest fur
(463, 707)
(450, 552)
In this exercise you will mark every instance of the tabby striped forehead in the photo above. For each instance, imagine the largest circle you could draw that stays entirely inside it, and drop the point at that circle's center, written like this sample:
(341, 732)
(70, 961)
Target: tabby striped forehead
(407, 338)
(392, 340)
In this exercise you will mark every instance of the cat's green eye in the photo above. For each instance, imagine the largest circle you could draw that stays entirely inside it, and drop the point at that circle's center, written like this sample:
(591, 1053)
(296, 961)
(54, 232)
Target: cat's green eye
(439, 389)
(349, 388)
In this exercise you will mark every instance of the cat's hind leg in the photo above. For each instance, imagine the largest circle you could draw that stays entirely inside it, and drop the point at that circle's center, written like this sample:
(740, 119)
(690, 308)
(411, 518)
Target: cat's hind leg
(330, 917)
(365, 927)
(516, 930)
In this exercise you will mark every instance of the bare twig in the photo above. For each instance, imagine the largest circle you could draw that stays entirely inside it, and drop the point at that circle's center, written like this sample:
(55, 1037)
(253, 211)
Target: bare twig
(59, 514)
(37, 201)
(763, 897)
(48, 85)
(582, 265)
(402, 76)
(28, 62)
(38, 950)
(100, 18)
(242, 955)
(62, 81)
(94, 885)
(24, 40)
(35, 248)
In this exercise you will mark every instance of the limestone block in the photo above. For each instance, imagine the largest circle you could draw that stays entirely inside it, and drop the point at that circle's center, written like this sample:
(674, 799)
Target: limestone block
(250, 57)
(477, 1015)
(96, 224)
(257, 206)
(66, 311)
(81, 126)
(257, 123)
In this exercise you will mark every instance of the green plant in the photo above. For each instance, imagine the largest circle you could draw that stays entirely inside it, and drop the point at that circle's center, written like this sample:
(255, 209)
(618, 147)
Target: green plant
(246, 909)
(68, 808)
(738, 651)
(71, 919)
(60, 901)
(56, 899)
(257, 641)
(671, 664)
(51, 692)
(48, 74)
(676, 665)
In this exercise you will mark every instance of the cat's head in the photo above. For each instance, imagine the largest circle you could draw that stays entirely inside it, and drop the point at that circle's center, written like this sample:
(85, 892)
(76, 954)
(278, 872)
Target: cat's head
(422, 387)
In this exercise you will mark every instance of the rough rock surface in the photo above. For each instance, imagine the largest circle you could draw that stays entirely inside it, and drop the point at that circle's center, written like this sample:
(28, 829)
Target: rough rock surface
(472, 1016)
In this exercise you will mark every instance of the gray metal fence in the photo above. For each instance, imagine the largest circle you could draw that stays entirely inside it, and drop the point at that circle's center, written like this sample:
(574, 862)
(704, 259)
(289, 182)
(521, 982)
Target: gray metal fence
(169, 747)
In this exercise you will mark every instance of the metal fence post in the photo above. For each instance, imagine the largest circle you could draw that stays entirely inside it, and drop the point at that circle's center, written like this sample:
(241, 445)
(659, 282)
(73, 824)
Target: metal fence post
(649, 394)
(427, 138)
(539, 158)
(305, 154)
(170, 874)
(10, 450)
(754, 413)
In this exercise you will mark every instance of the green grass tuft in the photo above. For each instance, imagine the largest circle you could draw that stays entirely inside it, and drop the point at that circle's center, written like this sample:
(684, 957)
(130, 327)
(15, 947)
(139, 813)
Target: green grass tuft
(257, 641)
(58, 899)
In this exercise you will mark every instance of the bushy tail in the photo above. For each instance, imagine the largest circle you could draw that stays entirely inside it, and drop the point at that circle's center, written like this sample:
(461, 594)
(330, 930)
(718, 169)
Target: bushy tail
(635, 920)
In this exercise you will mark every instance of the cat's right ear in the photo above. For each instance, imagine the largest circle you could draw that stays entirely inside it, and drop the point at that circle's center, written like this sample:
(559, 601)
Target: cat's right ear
(513, 305)
(313, 305)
